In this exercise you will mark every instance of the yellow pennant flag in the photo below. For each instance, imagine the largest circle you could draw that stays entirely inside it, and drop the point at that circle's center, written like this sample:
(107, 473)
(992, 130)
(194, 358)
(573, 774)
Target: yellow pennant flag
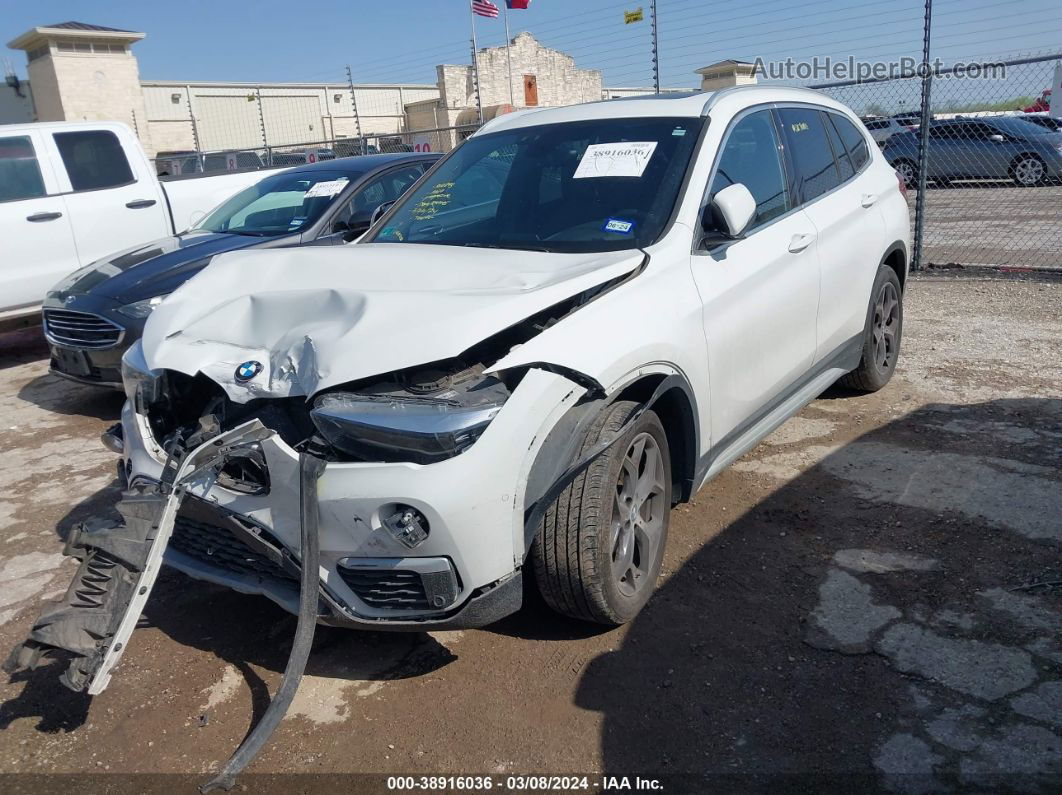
(633, 16)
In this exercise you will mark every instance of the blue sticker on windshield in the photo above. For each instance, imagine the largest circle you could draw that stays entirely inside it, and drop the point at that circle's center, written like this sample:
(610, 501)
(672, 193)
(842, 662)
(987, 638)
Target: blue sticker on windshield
(618, 225)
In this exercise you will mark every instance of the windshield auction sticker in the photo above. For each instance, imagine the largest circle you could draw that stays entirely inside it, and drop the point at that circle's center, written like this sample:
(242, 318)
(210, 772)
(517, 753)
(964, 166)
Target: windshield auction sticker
(627, 159)
(329, 188)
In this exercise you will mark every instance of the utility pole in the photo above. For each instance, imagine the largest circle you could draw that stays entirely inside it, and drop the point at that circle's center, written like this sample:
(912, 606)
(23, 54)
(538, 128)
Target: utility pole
(656, 46)
(923, 141)
(508, 57)
(475, 65)
(354, 103)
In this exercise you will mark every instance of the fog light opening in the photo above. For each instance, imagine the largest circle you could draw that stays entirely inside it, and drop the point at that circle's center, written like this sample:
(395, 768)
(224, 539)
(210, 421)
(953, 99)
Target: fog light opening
(407, 525)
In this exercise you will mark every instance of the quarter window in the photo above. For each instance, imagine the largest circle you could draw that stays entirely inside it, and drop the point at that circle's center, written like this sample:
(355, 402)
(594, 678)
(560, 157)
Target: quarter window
(854, 141)
(20, 175)
(94, 159)
(752, 157)
(810, 151)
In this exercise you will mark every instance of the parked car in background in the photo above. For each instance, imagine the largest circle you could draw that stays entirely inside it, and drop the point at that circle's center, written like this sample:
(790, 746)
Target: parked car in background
(909, 119)
(881, 129)
(572, 323)
(987, 147)
(299, 157)
(94, 315)
(72, 192)
(352, 147)
(1051, 123)
(1042, 104)
(178, 163)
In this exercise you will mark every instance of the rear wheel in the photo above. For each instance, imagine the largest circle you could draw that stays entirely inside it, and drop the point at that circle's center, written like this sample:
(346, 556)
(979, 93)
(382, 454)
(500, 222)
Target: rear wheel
(881, 340)
(598, 550)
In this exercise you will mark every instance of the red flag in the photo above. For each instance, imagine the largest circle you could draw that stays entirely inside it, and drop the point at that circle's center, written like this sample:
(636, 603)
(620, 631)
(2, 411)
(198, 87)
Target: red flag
(517, 3)
(484, 8)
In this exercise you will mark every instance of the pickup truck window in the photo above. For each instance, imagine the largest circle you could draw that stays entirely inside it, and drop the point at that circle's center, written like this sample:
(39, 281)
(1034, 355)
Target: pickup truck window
(20, 176)
(94, 159)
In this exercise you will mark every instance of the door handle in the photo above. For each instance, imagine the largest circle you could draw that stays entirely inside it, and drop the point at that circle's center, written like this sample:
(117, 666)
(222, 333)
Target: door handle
(868, 199)
(801, 242)
(139, 204)
(38, 217)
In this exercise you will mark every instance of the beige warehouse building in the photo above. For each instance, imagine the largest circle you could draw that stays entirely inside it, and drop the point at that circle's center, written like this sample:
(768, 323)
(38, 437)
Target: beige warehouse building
(80, 72)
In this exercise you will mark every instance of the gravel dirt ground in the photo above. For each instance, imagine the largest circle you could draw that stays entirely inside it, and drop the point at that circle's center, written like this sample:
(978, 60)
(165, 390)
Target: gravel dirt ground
(872, 597)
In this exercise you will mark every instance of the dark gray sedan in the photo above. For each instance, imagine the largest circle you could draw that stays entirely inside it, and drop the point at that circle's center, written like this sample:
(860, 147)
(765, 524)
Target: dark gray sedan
(991, 147)
(96, 313)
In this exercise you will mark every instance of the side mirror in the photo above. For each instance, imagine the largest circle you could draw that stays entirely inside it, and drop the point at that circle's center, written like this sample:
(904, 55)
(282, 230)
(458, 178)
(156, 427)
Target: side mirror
(379, 211)
(729, 213)
(997, 138)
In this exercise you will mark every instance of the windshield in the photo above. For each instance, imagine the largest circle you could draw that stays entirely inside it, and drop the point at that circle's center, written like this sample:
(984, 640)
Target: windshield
(278, 205)
(1020, 127)
(600, 185)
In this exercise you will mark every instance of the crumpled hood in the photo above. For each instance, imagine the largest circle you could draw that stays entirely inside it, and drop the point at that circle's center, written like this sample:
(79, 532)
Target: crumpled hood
(319, 317)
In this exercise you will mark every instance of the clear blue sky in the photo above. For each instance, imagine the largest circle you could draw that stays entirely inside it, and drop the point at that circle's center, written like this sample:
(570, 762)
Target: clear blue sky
(389, 41)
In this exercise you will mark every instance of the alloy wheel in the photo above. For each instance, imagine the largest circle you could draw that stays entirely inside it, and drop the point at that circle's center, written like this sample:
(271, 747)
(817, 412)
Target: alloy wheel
(886, 327)
(638, 515)
(1029, 171)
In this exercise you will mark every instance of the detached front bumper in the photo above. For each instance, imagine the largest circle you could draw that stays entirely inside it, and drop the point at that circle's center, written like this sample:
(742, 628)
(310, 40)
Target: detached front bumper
(466, 573)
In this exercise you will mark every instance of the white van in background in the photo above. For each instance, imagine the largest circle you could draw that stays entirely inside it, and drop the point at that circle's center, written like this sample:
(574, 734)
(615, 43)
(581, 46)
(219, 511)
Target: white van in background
(72, 192)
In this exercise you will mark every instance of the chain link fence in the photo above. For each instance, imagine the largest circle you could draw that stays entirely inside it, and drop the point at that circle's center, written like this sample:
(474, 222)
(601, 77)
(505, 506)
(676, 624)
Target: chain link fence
(993, 159)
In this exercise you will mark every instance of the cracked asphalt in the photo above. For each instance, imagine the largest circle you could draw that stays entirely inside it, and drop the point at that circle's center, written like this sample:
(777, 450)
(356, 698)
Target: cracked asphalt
(871, 598)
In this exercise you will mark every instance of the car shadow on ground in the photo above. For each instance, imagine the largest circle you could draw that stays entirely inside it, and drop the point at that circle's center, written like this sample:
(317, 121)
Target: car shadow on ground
(52, 393)
(21, 346)
(763, 662)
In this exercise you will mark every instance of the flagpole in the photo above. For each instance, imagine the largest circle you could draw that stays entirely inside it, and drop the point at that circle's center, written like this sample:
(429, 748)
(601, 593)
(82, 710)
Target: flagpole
(508, 58)
(475, 63)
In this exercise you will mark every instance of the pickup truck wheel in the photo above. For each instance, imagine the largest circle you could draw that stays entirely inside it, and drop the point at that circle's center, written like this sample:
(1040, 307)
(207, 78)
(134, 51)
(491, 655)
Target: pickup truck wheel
(881, 339)
(598, 550)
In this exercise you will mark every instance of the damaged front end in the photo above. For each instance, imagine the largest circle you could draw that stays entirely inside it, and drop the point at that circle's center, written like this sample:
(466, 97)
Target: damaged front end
(120, 561)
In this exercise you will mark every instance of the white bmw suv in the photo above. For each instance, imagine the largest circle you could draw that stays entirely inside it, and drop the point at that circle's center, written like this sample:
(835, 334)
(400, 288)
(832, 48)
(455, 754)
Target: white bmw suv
(570, 324)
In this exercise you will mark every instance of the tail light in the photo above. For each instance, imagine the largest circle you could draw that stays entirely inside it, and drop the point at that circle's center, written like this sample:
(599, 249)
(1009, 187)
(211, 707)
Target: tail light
(903, 184)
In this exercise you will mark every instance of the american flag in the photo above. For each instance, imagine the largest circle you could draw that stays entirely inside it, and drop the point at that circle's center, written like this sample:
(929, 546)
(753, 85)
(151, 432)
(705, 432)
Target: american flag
(484, 8)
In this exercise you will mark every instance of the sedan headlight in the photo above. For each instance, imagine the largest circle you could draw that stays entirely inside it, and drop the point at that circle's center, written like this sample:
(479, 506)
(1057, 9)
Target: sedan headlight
(141, 309)
(389, 427)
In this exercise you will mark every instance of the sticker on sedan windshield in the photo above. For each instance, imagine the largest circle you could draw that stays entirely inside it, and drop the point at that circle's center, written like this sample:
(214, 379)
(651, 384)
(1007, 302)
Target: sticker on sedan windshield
(627, 159)
(329, 188)
(618, 225)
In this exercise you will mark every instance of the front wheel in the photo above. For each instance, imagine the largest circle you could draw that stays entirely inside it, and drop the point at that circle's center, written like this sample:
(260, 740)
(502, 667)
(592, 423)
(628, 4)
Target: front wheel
(598, 550)
(881, 337)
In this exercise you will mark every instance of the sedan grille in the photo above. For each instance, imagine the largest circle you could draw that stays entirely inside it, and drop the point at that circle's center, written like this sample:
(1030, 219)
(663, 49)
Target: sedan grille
(391, 589)
(80, 329)
(219, 548)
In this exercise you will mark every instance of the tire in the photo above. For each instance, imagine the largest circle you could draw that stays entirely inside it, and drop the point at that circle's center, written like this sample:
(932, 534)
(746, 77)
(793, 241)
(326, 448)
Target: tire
(591, 562)
(908, 171)
(1028, 171)
(882, 335)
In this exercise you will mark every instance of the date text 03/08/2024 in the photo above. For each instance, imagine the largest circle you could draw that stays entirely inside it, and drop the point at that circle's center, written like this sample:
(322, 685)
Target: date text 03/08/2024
(516, 783)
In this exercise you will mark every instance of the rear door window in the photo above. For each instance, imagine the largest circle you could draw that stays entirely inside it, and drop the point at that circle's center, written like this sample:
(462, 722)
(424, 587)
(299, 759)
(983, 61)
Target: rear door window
(809, 149)
(854, 140)
(20, 174)
(94, 159)
(844, 163)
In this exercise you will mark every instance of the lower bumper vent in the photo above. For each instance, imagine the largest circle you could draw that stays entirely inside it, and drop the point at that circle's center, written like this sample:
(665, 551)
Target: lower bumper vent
(394, 589)
(219, 548)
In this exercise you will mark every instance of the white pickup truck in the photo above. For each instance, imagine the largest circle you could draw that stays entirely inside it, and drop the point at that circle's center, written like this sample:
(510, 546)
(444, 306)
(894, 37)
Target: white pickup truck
(72, 192)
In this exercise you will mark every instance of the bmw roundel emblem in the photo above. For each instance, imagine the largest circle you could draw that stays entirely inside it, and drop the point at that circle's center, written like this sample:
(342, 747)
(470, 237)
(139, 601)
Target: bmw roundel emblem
(247, 371)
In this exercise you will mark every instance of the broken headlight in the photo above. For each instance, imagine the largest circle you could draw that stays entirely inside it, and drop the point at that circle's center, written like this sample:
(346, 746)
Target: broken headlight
(407, 427)
(139, 380)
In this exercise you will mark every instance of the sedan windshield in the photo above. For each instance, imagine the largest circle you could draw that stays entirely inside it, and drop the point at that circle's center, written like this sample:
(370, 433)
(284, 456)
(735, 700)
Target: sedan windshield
(278, 205)
(600, 185)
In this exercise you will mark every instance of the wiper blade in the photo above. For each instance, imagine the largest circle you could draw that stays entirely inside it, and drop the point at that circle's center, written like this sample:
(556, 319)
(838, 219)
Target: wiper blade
(509, 247)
